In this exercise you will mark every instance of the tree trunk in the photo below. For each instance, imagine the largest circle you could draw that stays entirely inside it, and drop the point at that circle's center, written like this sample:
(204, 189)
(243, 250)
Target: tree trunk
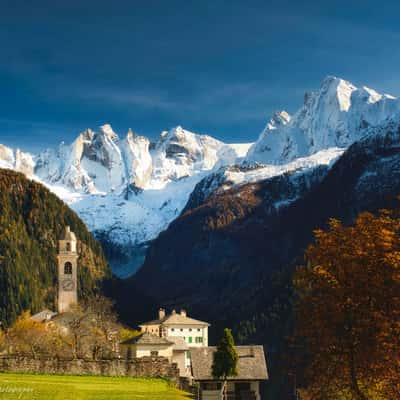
(33, 352)
(75, 347)
(355, 388)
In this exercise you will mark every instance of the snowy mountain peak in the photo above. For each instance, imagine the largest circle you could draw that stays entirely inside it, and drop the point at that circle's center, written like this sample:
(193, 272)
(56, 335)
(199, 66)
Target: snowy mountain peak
(107, 131)
(16, 160)
(336, 89)
(334, 116)
(278, 119)
(101, 162)
(130, 135)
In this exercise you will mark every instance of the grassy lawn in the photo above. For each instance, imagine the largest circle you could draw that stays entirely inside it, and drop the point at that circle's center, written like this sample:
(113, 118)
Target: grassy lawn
(63, 387)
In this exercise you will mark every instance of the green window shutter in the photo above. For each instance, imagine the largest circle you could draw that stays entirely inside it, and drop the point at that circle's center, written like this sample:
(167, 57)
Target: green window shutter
(190, 339)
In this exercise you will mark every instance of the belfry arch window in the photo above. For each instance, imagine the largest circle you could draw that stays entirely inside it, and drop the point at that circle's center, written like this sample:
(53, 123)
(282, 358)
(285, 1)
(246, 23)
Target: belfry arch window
(68, 246)
(68, 268)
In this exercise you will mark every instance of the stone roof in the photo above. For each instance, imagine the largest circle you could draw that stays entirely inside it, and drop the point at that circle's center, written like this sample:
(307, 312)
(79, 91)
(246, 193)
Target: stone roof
(179, 343)
(147, 338)
(251, 363)
(176, 319)
(44, 315)
(68, 234)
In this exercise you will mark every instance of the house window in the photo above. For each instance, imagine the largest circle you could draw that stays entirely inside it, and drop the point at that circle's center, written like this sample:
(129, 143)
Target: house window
(198, 329)
(190, 339)
(172, 330)
(181, 329)
(154, 353)
(68, 268)
(68, 246)
(199, 340)
(190, 329)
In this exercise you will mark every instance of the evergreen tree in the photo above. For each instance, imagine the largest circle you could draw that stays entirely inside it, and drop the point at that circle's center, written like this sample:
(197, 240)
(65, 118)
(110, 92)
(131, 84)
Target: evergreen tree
(225, 358)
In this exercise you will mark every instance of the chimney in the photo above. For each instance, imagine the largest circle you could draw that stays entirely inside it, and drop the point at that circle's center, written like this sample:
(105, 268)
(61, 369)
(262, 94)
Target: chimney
(183, 313)
(161, 313)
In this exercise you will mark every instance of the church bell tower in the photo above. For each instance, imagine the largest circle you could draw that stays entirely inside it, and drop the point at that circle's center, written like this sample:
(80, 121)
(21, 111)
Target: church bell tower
(67, 271)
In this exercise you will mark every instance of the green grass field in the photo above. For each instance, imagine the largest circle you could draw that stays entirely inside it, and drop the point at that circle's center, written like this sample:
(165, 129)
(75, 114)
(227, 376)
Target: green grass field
(64, 387)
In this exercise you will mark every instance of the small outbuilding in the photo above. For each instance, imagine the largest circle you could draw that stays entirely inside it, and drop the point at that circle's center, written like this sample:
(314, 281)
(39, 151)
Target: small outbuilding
(146, 345)
(252, 369)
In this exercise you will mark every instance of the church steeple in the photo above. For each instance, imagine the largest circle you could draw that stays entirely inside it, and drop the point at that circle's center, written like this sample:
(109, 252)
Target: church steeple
(67, 271)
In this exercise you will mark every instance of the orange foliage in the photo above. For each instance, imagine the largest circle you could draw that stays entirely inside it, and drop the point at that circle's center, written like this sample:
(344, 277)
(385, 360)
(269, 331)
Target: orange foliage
(348, 310)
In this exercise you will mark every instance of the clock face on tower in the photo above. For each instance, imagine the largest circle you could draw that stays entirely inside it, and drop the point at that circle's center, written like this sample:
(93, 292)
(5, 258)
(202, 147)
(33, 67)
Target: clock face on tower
(68, 285)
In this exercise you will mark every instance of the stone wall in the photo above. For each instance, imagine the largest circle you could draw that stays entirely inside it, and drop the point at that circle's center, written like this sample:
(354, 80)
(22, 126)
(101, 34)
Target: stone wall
(137, 367)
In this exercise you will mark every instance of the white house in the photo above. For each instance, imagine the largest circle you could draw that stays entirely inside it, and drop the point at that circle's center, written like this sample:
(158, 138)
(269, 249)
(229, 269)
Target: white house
(192, 331)
(171, 336)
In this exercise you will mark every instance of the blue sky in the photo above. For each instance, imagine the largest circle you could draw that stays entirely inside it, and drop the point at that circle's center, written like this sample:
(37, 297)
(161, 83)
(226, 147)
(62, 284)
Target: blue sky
(216, 67)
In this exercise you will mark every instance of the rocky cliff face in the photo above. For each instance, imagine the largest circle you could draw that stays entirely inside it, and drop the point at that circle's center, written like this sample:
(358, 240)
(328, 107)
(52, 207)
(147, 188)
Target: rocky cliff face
(336, 115)
(16, 160)
(102, 162)
(138, 160)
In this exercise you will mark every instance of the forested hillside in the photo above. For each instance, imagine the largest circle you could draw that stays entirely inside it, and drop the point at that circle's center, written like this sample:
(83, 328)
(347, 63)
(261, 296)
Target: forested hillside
(31, 221)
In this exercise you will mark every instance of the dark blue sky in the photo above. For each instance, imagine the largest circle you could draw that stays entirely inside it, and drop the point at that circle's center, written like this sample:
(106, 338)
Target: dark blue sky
(217, 67)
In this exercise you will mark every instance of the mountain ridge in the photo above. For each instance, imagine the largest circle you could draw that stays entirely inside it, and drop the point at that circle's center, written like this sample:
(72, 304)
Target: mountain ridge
(129, 189)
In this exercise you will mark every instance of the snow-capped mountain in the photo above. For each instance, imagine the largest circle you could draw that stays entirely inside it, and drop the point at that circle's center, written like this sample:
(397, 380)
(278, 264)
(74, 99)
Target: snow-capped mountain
(334, 116)
(230, 176)
(126, 190)
(102, 162)
(129, 189)
(16, 160)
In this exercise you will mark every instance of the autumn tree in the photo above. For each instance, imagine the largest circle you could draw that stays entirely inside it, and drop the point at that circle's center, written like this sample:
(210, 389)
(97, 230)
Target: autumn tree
(103, 326)
(76, 330)
(127, 333)
(348, 310)
(92, 329)
(225, 359)
(27, 336)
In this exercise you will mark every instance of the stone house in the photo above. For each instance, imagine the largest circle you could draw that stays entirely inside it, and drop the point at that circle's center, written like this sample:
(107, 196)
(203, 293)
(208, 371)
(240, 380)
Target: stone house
(182, 332)
(150, 345)
(252, 370)
(147, 345)
(193, 331)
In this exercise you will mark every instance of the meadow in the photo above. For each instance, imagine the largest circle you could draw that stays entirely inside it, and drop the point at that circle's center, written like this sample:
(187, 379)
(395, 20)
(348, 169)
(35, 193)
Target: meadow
(66, 387)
